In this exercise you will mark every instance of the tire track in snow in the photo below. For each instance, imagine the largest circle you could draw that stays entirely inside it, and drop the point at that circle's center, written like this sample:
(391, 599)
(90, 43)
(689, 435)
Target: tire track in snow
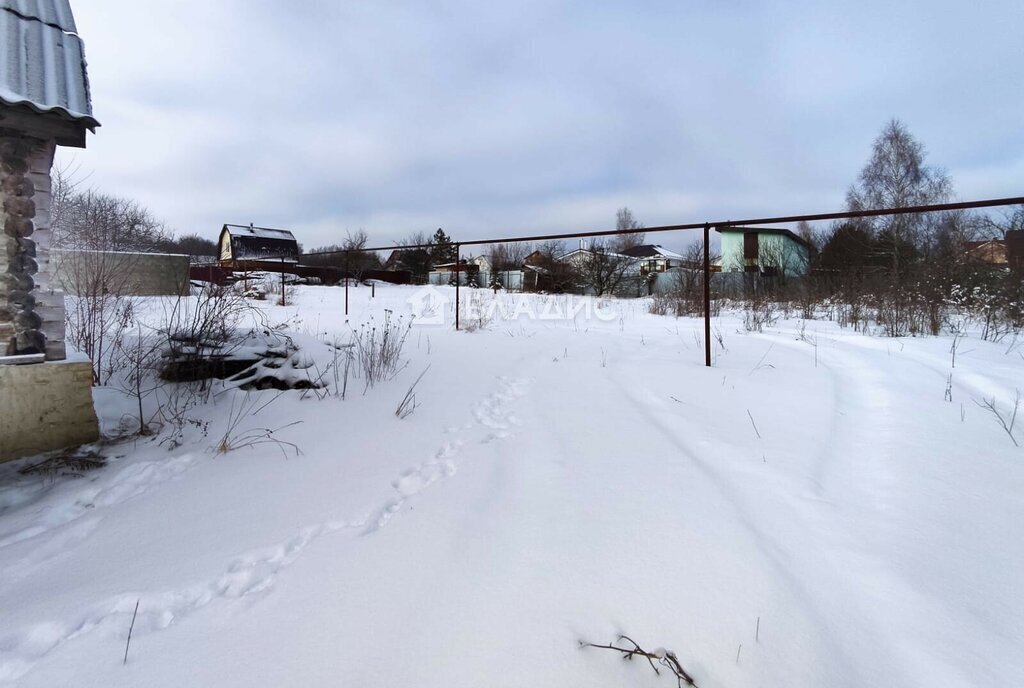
(863, 463)
(862, 401)
(973, 382)
(772, 551)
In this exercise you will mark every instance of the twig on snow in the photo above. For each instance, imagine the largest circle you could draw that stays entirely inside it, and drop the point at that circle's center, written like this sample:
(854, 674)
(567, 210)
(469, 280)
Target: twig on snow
(129, 642)
(665, 658)
(409, 403)
(1007, 424)
(753, 423)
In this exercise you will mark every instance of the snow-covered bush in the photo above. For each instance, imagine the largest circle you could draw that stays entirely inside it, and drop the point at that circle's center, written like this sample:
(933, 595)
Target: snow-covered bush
(992, 298)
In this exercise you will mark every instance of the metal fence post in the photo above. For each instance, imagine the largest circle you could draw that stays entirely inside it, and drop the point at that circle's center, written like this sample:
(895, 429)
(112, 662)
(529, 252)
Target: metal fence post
(346, 282)
(458, 251)
(282, 281)
(707, 295)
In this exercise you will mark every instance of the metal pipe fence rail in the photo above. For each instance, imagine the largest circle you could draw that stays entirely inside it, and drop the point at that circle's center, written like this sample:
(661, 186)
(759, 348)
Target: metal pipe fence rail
(706, 226)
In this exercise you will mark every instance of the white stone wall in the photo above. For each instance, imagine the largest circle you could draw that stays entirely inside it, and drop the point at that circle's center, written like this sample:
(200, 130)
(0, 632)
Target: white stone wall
(120, 272)
(45, 406)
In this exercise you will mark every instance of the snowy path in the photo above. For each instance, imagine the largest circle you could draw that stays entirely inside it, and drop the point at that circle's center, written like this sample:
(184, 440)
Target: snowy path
(575, 483)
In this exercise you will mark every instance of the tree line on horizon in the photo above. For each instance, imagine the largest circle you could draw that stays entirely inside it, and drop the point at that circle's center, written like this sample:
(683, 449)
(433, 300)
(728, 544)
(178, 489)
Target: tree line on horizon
(845, 253)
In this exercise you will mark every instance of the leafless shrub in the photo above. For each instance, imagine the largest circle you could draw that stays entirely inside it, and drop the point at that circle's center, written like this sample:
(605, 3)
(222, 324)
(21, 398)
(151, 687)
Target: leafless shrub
(808, 298)
(378, 348)
(235, 438)
(172, 418)
(759, 313)
(479, 317)
(904, 310)
(684, 294)
(202, 331)
(140, 354)
(175, 357)
(994, 299)
(100, 306)
(273, 284)
(661, 304)
(340, 368)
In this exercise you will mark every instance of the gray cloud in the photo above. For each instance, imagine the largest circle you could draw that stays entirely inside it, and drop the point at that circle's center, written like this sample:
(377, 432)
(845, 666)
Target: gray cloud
(534, 116)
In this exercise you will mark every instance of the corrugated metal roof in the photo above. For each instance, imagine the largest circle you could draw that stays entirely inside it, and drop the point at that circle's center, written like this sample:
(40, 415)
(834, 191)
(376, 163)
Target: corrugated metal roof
(260, 232)
(42, 60)
(56, 12)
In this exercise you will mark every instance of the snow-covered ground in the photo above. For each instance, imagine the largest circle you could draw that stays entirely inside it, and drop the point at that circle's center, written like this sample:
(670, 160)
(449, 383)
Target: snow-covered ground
(823, 510)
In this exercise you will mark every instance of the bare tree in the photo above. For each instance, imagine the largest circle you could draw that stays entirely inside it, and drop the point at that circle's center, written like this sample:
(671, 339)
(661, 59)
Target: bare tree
(415, 260)
(96, 238)
(63, 191)
(896, 176)
(805, 231)
(100, 222)
(555, 273)
(624, 220)
(192, 245)
(684, 294)
(359, 261)
(603, 268)
(552, 250)
(1009, 220)
(507, 256)
(782, 259)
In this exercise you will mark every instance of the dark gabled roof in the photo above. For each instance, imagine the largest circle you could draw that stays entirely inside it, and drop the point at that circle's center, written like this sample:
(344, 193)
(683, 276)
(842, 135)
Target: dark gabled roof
(259, 232)
(258, 243)
(765, 230)
(650, 251)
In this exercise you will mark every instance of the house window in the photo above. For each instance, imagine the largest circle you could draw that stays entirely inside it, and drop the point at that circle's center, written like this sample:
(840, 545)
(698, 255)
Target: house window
(750, 247)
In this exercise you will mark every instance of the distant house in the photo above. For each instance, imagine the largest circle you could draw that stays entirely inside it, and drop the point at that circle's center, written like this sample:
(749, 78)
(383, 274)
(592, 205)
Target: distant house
(582, 257)
(537, 259)
(767, 251)
(248, 243)
(599, 271)
(481, 263)
(414, 261)
(990, 251)
(654, 258)
(1006, 252)
(475, 271)
(396, 260)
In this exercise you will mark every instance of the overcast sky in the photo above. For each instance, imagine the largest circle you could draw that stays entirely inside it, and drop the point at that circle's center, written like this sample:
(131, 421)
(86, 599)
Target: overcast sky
(510, 118)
